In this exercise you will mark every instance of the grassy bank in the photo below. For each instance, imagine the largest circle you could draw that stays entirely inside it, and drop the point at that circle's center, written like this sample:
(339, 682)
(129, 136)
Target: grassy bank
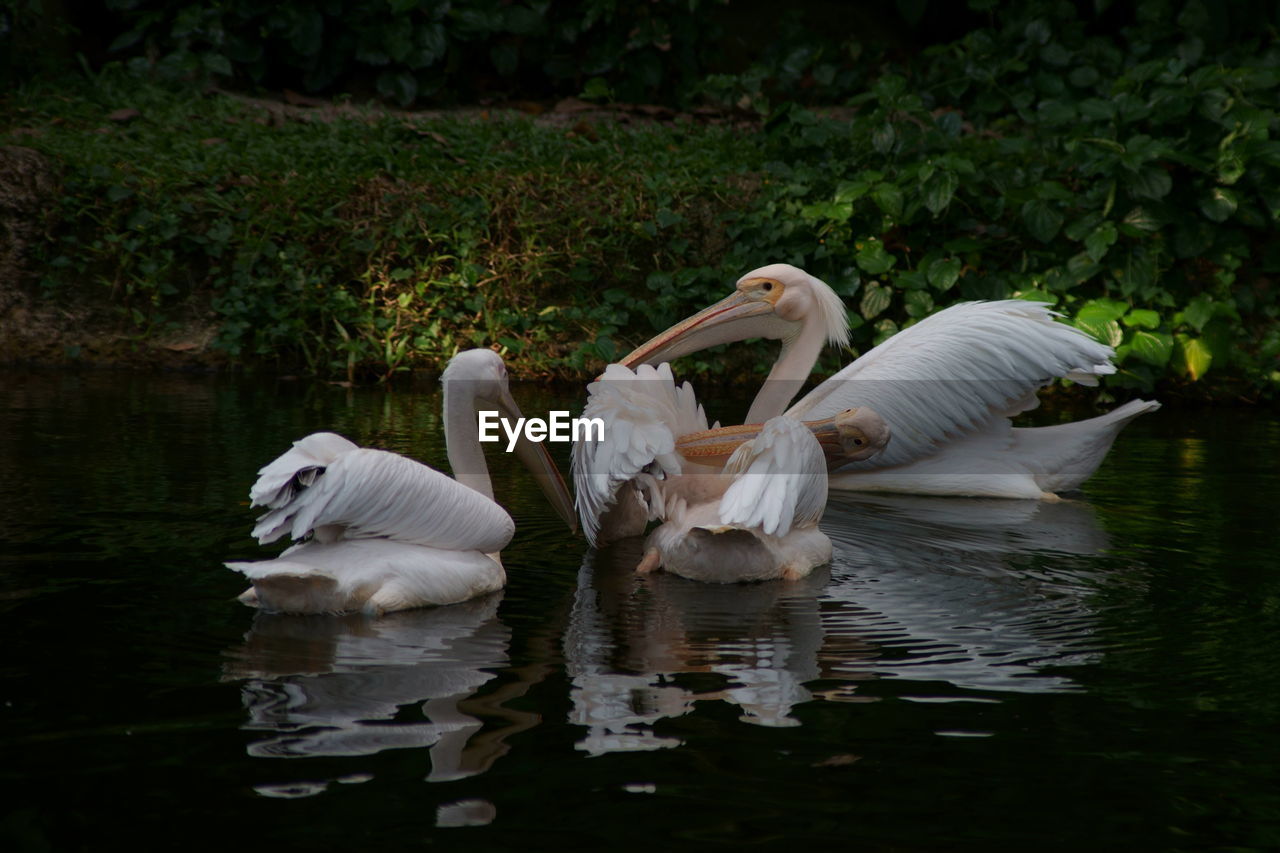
(367, 241)
(355, 243)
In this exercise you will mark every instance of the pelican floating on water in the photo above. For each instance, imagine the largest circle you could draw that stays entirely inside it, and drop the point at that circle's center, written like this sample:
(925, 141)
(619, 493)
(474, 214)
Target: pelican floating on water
(383, 532)
(946, 386)
(754, 518)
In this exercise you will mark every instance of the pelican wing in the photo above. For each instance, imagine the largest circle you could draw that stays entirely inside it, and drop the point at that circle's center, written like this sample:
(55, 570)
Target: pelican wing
(644, 412)
(296, 469)
(780, 480)
(954, 372)
(366, 493)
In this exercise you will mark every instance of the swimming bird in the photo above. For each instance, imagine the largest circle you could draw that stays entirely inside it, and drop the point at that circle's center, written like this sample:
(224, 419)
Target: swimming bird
(381, 532)
(947, 386)
(753, 518)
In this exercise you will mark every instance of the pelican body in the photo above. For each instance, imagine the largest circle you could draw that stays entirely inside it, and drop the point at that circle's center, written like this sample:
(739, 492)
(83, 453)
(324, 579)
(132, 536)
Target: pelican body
(378, 532)
(947, 386)
(751, 516)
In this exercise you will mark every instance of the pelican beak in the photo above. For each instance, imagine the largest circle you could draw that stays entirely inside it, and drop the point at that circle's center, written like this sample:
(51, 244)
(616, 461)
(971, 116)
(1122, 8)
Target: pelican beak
(715, 446)
(850, 436)
(538, 460)
(735, 318)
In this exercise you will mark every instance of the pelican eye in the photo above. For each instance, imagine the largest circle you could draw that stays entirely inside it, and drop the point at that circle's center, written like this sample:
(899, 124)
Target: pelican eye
(858, 442)
(768, 285)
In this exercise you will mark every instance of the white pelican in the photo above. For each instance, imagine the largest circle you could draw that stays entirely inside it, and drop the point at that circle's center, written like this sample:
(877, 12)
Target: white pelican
(946, 386)
(754, 519)
(383, 532)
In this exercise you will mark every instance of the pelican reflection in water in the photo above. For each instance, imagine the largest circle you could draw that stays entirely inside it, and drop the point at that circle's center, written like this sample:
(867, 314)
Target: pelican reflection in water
(335, 686)
(924, 589)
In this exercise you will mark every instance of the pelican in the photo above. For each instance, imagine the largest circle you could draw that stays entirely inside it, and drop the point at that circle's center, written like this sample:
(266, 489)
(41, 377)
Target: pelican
(382, 532)
(754, 518)
(946, 386)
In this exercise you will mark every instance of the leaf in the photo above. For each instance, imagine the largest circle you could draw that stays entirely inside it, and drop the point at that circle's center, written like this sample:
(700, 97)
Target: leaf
(399, 42)
(910, 280)
(889, 87)
(938, 192)
(400, 85)
(1055, 54)
(1038, 32)
(1098, 317)
(1056, 112)
(918, 303)
(873, 259)
(595, 89)
(1141, 219)
(1096, 109)
(1103, 142)
(850, 191)
(1107, 309)
(216, 63)
(1199, 311)
(1100, 240)
(889, 199)
(1193, 356)
(1083, 77)
(882, 138)
(1035, 295)
(127, 39)
(1143, 318)
(1154, 348)
(1053, 191)
(1220, 204)
(884, 329)
(1220, 337)
(875, 299)
(1082, 227)
(1105, 331)
(943, 272)
(1042, 221)
(1230, 167)
(1151, 182)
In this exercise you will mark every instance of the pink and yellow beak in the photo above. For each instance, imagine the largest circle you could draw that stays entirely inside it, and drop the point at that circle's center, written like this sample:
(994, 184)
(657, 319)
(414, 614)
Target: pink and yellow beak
(746, 313)
(536, 457)
(850, 436)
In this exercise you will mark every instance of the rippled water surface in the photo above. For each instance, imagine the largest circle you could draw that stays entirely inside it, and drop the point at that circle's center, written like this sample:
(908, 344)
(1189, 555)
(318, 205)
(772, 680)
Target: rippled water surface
(1102, 673)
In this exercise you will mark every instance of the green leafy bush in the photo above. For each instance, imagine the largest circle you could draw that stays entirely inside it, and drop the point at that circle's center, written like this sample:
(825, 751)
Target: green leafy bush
(1132, 181)
(411, 49)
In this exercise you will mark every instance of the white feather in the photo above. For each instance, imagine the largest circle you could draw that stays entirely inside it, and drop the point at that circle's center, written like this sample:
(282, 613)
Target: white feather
(644, 412)
(379, 575)
(374, 493)
(779, 480)
(280, 479)
(756, 520)
(954, 372)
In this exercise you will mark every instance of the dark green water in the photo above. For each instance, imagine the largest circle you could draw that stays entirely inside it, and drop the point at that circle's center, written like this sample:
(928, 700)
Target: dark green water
(1098, 674)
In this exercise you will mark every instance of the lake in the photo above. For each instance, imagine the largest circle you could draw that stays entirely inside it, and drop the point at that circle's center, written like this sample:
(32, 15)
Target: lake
(1100, 673)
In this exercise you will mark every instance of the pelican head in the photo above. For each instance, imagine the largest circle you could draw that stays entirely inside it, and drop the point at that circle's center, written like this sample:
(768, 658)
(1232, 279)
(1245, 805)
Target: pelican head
(480, 373)
(475, 379)
(778, 301)
(860, 434)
